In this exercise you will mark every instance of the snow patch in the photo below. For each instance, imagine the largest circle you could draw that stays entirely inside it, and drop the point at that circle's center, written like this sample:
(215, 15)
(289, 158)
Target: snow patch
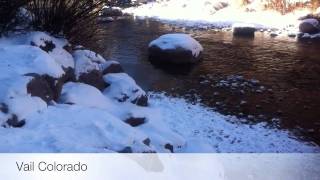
(197, 123)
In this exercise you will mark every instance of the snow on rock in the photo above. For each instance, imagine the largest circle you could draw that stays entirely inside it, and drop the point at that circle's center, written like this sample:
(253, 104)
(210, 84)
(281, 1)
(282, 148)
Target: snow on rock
(55, 47)
(111, 11)
(243, 29)
(87, 61)
(123, 88)
(310, 26)
(23, 59)
(158, 134)
(90, 68)
(84, 95)
(175, 48)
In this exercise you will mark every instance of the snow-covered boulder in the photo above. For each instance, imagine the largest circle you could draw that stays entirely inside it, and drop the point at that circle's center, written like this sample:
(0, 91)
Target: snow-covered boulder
(17, 64)
(50, 49)
(90, 68)
(55, 47)
(84, 95)
(124, 89)
(243, 29)
(310, 26)
(175, 48)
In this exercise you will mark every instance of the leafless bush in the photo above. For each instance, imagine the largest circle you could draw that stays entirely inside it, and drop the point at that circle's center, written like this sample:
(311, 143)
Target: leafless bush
(286, 6)
(75, 19)
(8, 11)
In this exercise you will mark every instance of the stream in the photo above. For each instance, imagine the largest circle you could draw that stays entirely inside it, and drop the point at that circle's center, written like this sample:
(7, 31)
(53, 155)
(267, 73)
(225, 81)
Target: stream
(262, 79)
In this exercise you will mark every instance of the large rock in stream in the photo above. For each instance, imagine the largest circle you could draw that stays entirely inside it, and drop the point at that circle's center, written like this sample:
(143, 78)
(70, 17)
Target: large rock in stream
(175, 48)
(310, 26)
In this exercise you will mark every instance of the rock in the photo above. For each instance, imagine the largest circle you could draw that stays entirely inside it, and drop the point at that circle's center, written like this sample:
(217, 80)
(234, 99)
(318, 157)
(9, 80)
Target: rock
(113, 68)
(40, 86)
(94, 78)
(55, 47)
(124, 89)
(48, 88)
(175, 48)
(4, 108)
(311, 26)
(105, 19)
(134, 122)
(90, 68)
(126, 150)
(147, 142)
(141, 100)
(14, 122)
(169, 147)
(111, 12)
(47, 47)
(242, 29)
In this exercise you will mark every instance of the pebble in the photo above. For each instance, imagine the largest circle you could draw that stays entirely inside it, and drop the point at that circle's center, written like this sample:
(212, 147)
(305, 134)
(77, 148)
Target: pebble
(243, 102)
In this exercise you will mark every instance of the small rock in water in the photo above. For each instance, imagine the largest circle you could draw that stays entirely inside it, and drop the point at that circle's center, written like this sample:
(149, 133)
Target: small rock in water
(242, 29)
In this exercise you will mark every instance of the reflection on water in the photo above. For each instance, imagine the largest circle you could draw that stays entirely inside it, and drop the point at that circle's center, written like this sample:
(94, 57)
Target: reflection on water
(289, 70)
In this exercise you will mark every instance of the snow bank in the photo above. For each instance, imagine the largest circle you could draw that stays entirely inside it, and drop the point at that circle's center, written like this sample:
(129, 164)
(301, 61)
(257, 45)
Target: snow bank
(84, 119)
(204, 13)
(176, 41)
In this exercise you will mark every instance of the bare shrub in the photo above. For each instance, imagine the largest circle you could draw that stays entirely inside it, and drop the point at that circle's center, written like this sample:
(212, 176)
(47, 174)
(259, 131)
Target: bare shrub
(8, 11)
(74, 19)
(286, 6)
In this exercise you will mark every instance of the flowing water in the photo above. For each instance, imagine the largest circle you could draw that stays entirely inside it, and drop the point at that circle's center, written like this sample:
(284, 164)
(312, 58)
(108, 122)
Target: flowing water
(275, 80)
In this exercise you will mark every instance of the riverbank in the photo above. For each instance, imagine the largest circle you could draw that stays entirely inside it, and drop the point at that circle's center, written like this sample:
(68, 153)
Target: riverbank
(220, 15)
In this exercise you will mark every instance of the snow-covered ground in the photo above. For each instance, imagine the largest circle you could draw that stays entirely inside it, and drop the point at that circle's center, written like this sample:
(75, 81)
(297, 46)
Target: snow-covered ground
(216, 14)
(204, 129)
